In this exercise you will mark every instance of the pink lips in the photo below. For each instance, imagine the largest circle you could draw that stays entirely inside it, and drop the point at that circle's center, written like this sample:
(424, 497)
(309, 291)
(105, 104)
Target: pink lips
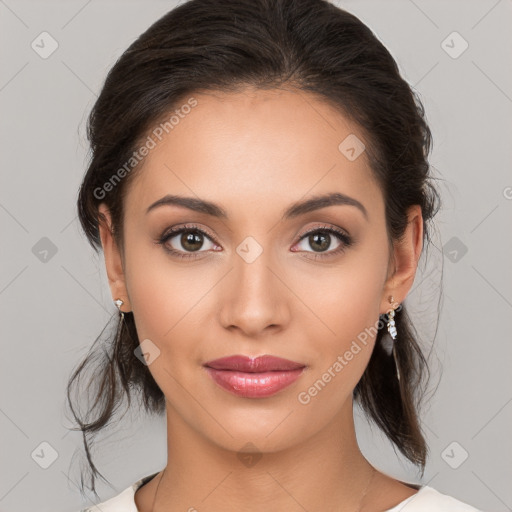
(254, 378)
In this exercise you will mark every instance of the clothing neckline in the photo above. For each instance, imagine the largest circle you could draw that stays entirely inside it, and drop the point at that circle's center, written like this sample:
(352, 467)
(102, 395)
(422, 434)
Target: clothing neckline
(418, 487)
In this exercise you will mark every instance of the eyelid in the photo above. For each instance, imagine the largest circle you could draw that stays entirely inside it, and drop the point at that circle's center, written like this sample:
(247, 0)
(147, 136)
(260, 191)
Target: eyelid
(325, 227)
(187, 227)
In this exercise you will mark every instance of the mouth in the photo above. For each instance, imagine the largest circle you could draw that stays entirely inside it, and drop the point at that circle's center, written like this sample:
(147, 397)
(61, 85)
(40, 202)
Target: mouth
(258, 377)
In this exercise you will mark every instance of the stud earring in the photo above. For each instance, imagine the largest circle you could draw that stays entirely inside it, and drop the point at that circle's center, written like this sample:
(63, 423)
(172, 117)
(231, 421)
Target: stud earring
(392, 331)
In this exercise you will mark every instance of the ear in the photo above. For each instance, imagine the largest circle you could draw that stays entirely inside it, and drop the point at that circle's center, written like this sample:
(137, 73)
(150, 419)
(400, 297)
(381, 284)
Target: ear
(404, 262)
(113, 259)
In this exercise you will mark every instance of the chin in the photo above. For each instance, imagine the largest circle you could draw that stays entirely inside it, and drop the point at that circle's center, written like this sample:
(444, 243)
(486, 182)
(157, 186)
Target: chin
(266, 429)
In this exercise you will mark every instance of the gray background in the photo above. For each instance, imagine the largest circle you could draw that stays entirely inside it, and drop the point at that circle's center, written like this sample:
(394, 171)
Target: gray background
(54, 304)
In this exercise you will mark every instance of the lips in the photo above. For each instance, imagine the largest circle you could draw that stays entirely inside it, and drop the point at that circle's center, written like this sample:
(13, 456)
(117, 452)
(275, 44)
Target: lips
(256, 365)
(258, 377)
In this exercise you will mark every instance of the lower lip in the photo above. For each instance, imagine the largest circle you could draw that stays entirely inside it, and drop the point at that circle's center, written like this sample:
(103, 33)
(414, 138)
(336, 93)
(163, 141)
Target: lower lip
(254, 385)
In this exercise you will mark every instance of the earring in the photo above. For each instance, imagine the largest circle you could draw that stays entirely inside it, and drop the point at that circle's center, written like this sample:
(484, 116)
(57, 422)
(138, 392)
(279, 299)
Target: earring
(119, 303)
(392, 331)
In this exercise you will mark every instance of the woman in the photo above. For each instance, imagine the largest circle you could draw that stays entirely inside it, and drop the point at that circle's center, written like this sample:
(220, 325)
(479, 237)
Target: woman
(260, 188)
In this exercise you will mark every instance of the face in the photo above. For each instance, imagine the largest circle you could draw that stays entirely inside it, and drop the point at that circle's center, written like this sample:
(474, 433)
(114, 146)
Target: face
(267, 277)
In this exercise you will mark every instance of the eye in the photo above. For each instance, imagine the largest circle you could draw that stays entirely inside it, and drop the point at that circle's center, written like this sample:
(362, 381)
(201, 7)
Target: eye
(178, 241)
(188, 240)
(321, 239)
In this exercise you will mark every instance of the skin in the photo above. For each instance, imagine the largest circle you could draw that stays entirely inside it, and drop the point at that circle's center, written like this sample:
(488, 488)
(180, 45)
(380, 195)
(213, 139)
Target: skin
(255, 153)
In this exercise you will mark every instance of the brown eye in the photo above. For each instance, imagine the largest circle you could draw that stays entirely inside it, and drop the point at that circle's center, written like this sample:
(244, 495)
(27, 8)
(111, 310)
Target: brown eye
(188, 240)
(183, 241)
(319, 241)
(191, 241)
(322, 239)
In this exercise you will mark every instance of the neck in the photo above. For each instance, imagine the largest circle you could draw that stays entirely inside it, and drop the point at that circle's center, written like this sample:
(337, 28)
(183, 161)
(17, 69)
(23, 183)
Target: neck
(326, 472)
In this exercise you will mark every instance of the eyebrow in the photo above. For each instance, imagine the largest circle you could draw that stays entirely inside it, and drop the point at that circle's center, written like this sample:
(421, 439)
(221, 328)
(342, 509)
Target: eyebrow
(296, 209)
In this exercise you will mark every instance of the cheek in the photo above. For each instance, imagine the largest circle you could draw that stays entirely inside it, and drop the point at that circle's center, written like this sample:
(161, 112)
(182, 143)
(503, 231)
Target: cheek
(345, 300)
(173, 308)
(345, 303)
(158, 302)
(340, 352)
(163, 293)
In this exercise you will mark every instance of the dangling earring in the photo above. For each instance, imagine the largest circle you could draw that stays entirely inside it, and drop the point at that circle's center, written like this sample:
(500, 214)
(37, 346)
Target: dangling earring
(392, 332)
(119, 303)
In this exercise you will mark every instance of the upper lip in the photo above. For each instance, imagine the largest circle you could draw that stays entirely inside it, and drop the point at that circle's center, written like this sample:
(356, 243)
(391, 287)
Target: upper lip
(265, 363)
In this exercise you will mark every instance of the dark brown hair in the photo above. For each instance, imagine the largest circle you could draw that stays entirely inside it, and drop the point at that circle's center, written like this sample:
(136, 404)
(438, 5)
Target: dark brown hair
(227, 45)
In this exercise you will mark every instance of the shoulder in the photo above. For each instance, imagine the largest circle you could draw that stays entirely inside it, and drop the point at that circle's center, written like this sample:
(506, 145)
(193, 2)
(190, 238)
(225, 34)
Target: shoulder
(428, 499)
(122, 502)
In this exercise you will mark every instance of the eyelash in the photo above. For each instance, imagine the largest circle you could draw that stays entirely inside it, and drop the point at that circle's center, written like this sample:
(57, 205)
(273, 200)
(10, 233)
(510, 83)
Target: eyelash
(346, 240)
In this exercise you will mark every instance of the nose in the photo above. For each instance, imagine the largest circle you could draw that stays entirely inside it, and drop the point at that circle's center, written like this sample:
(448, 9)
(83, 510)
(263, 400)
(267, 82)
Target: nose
(254, 298)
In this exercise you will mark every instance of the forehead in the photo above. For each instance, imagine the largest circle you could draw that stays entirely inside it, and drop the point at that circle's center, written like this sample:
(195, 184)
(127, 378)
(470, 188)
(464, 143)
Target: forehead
(255, 147)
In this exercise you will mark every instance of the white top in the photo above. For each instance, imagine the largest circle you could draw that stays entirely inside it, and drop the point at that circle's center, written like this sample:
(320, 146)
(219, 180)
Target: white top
(427, 499)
